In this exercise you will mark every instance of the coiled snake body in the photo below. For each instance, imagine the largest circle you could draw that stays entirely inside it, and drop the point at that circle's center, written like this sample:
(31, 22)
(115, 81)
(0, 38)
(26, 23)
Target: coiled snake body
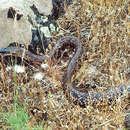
(80, 97)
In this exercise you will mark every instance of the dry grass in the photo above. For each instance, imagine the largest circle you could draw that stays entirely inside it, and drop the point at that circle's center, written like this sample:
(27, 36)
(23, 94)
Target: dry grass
(103, 28)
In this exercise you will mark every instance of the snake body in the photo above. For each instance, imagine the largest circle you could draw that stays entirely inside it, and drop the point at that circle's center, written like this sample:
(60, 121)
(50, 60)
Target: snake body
(79, 96)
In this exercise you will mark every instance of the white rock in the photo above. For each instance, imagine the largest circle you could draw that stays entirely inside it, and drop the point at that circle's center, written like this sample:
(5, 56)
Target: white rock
(44, 66)
(38, 76)
(19, 69)
(20, 30)
(8, 68)
(45, 31)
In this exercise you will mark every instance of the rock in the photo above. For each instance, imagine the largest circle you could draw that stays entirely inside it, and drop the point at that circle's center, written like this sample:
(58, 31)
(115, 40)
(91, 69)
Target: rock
(23, 6)
(14, 25)
(14, 31)
(44, 6)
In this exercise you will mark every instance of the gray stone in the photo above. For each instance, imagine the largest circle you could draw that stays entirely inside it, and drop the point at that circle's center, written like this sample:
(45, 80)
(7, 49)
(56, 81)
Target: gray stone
(12, 30)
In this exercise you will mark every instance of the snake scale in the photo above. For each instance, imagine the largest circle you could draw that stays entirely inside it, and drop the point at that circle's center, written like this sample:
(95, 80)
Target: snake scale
(79, 96)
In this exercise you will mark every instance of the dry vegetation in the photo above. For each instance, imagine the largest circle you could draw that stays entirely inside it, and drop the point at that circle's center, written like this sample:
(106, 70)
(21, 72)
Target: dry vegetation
(102, 26)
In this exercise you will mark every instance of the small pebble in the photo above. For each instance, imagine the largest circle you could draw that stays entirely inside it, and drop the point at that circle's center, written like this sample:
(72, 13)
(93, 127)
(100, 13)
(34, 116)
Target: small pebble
(38, 76)
(44, 66)
(19, 69)
(52, 27)
(45, 31)
(8, 68)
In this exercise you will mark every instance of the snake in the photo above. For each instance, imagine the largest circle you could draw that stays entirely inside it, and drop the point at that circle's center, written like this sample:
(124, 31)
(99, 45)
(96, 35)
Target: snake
(82, 98)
